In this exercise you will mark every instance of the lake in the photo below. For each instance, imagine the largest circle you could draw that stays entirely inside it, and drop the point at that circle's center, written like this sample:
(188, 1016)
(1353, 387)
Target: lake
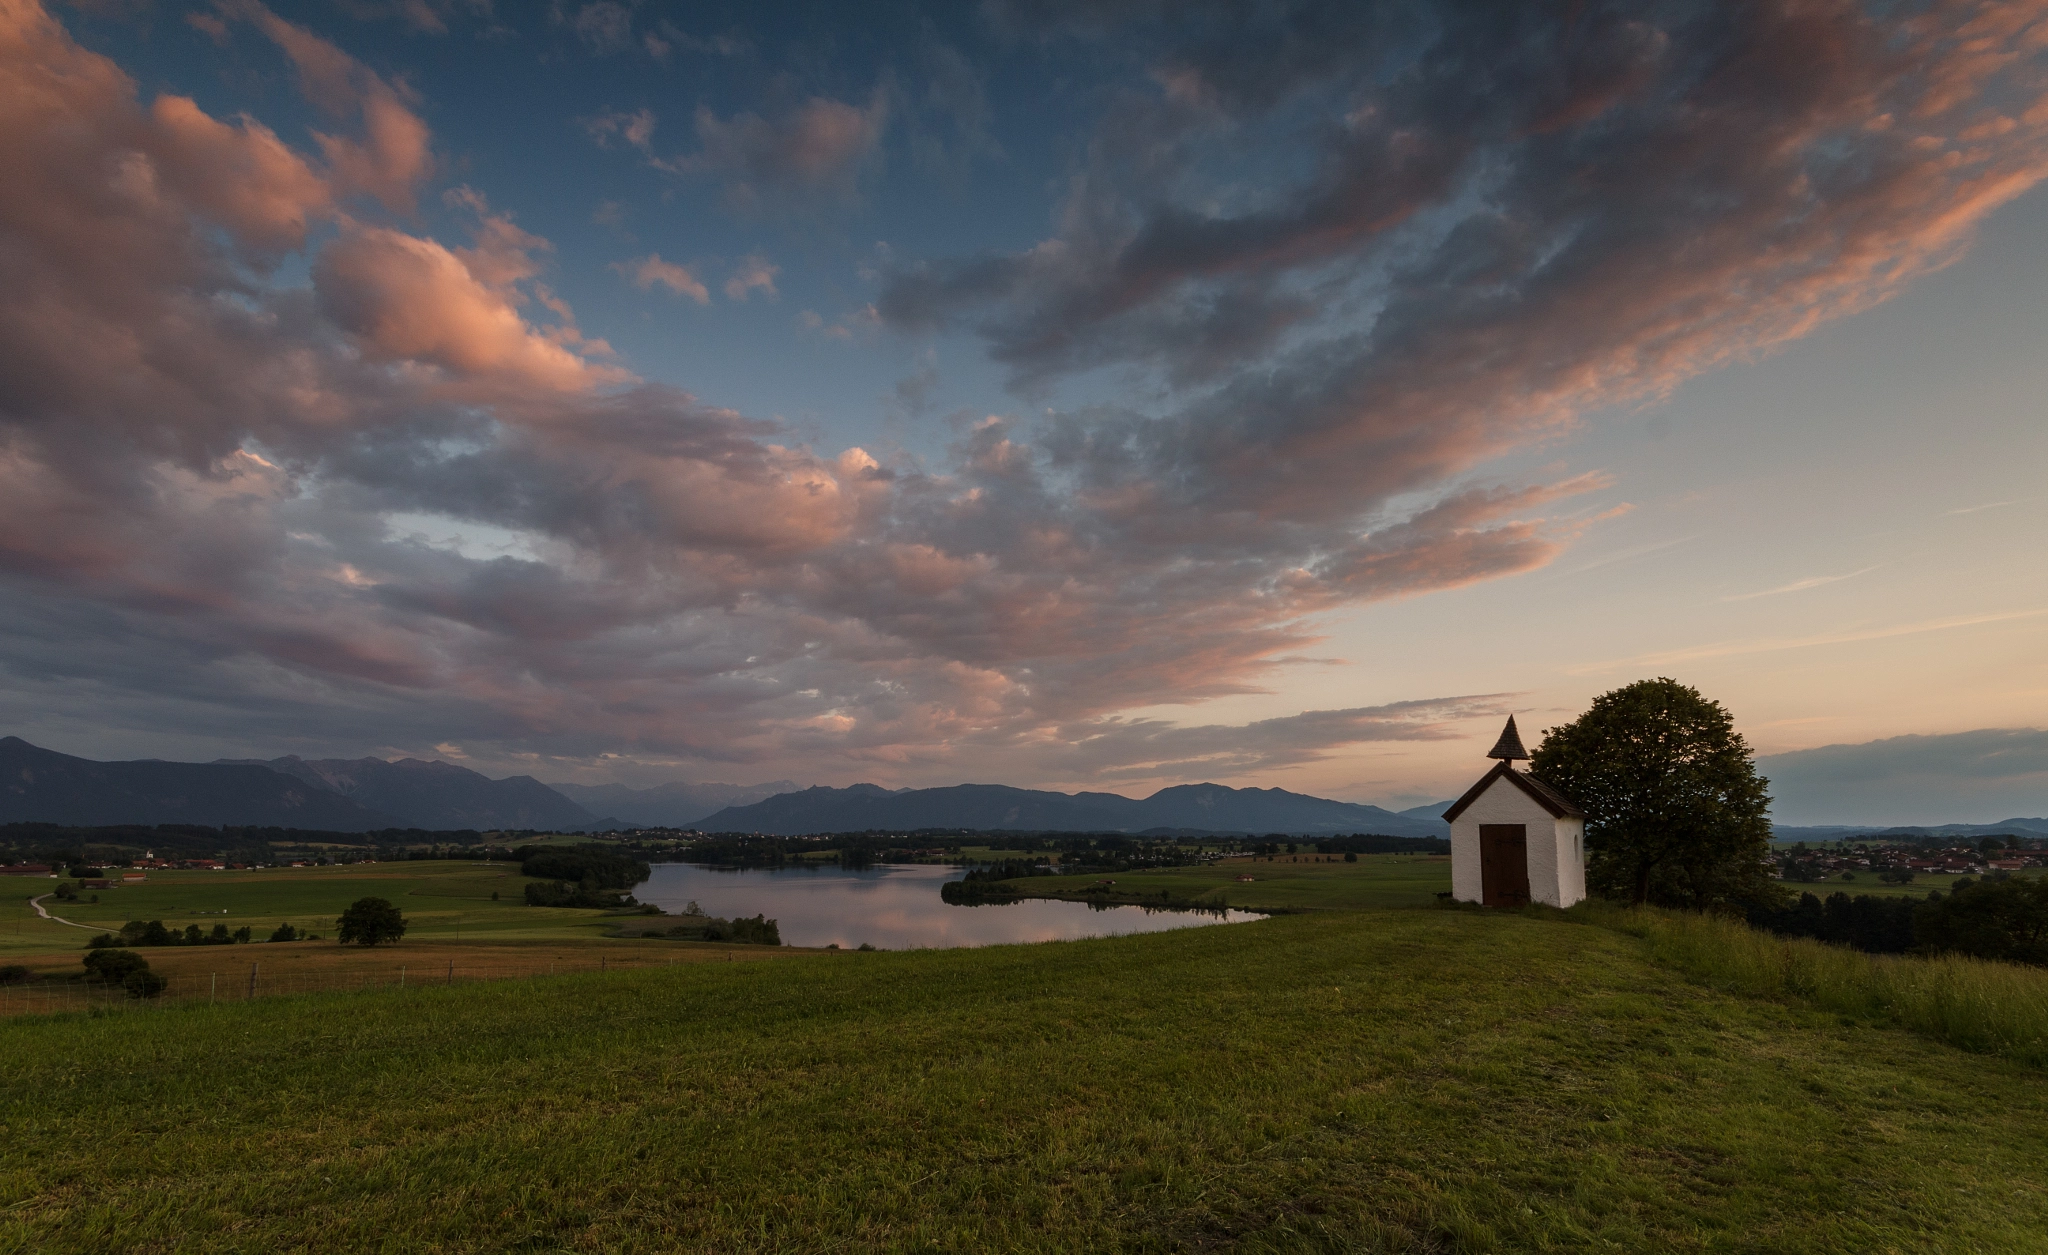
(895, 907)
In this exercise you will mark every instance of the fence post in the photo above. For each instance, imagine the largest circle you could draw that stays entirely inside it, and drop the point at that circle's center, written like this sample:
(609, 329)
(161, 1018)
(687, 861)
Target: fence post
(401, 978)
(252, 980)
(212, 987)
(451, 973)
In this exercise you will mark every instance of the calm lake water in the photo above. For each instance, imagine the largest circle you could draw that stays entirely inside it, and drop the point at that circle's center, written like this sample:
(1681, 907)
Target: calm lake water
(895, 907)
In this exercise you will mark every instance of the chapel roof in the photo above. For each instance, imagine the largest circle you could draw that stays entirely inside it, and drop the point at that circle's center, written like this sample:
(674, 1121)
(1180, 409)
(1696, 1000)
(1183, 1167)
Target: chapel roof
(1559, 806)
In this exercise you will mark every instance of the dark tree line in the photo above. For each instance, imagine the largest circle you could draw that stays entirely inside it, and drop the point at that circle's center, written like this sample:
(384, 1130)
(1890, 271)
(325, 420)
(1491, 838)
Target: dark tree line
(154, 933)
(1988, 919)
(588, 876)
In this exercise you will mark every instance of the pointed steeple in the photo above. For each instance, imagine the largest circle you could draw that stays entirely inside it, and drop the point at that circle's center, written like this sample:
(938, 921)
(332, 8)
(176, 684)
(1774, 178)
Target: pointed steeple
(1509, 747)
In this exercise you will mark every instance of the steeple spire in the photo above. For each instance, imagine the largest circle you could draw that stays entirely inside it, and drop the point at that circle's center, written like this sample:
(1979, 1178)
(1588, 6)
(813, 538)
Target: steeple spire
(1509, 747)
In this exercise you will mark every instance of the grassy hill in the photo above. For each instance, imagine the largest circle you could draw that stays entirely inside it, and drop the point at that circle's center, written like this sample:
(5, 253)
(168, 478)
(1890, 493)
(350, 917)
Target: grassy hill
(1376, 1080)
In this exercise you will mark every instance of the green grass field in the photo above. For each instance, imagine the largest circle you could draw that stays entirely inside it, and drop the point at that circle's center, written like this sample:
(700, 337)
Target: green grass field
(1867, 882)
(1390, 1080)
(1348, 1077)
(442, 901)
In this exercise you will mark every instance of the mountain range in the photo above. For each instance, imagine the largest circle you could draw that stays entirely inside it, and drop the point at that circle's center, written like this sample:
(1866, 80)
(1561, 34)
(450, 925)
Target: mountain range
(367, 794)
(434, 795)
(675, 805)
(1836, 832)
(42, 785)
(1183, 809)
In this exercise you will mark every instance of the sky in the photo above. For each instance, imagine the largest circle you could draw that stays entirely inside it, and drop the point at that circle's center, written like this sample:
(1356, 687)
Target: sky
(1101, 396)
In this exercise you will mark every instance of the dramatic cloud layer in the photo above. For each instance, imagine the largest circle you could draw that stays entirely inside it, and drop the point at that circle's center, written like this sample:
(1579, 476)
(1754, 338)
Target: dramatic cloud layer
(1358, 251)
(1962, 777)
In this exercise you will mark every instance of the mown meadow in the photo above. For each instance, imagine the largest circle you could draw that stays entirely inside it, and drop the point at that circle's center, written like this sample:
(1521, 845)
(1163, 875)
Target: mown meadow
(1371, 1080)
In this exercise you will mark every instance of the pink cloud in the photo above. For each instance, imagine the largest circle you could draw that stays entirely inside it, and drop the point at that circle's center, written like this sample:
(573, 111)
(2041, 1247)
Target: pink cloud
(199, 471)
(651, 271)
(635, 128)
(819, 146)
(409, 299)
(394, 154)
(755, 273)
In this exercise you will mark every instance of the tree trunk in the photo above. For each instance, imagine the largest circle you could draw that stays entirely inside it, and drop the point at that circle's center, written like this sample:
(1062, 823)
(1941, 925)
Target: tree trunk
(1642, 883)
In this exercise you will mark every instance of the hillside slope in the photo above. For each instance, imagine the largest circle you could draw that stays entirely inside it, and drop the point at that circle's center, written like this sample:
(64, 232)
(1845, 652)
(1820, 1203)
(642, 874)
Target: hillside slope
(436, 795)
(674, 805)
(1401, 1080)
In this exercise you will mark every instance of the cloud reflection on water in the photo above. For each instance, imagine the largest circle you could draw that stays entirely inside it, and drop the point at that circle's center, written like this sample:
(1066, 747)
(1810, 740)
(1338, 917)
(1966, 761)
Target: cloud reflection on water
(895, 907)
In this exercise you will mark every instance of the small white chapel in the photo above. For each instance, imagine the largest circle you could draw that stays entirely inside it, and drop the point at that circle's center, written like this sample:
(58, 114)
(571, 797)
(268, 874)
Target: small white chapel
(1514, 839)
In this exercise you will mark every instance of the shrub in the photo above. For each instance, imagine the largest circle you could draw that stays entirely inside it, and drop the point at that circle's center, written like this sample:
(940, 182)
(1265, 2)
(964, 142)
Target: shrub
(143, 983)
(586, 895)
(113, 966)
(153, 933)
(15, 974)
(756, 931)
(978, 893)
(285, 932)
(370, 922)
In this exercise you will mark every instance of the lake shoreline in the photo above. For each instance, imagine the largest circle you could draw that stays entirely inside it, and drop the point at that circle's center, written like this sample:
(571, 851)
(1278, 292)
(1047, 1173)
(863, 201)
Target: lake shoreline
(903, 906)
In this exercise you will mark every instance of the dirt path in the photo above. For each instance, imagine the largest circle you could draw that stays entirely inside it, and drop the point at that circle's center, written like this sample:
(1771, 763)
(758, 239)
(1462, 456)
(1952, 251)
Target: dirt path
(37, 903)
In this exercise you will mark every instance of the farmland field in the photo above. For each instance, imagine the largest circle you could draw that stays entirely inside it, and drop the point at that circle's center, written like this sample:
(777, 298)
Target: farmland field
(442, 901)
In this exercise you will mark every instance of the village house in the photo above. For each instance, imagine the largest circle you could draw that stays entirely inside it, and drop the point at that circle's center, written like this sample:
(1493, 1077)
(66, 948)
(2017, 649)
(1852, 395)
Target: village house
(1514, 839)
(26, 869)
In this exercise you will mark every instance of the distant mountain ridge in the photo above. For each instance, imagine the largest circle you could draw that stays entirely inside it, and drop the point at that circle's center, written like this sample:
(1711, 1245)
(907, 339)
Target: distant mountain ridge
(44, 786)
(674, 805)
(1189, 808)
(435, 795)
(1835, 832)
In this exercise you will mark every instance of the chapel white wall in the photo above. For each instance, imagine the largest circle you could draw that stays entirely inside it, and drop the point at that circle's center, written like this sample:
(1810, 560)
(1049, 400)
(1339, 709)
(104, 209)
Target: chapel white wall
(1557, 869)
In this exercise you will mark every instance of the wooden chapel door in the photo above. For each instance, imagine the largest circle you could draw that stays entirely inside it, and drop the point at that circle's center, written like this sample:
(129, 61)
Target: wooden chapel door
(1504, 864)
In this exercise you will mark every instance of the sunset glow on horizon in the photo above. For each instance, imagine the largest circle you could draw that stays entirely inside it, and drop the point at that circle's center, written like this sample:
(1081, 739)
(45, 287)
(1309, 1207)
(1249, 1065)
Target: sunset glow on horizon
(1102, 396)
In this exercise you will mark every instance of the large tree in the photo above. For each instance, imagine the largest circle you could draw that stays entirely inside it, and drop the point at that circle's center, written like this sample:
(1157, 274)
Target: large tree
(369, 921)
(1675, 812)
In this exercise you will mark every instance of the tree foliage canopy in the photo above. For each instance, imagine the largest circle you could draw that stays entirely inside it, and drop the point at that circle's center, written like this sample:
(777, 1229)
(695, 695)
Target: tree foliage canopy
(1675, 812)
(371, 921)
(1990, 919)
